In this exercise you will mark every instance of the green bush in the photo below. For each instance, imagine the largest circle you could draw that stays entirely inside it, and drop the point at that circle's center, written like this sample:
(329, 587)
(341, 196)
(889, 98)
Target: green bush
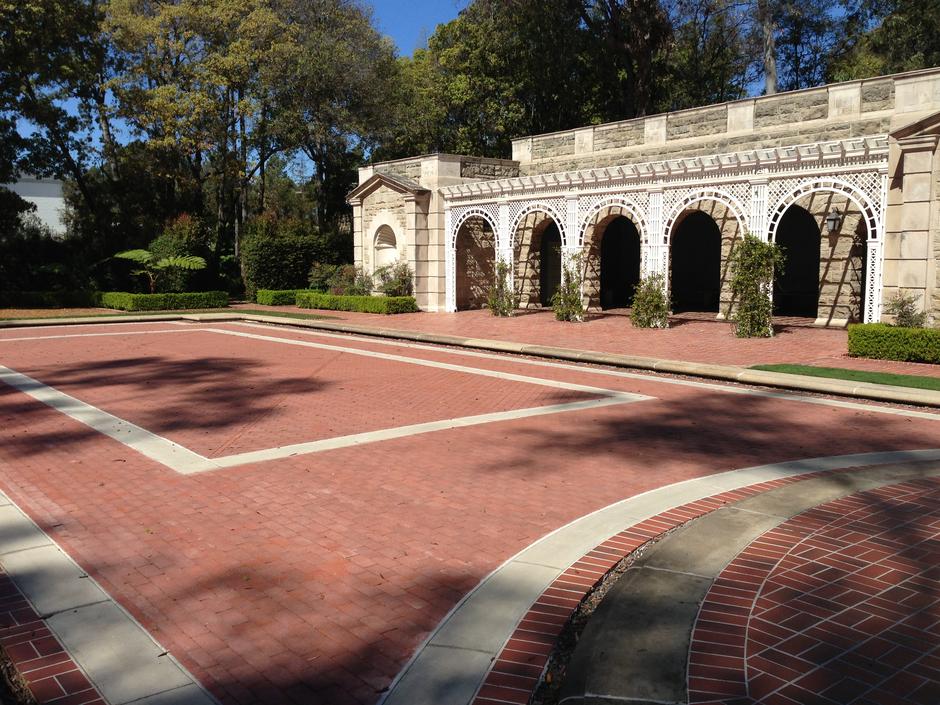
(567, 302)
(125, 301)
(753, 263)
(349, 280)
(321, 273)
(396, 279)
(904, 309)
(650, 303)
(501, 299)
(364, 304)
(186, 235)
(884, 342)
(49, 299)
(280, 297)
(277, 254)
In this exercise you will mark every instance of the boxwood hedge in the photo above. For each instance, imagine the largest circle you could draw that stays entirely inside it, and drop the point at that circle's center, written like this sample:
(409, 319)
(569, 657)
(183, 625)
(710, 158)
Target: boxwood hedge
(277, 297)
(125, 301)
(364, 304)
(884, 342)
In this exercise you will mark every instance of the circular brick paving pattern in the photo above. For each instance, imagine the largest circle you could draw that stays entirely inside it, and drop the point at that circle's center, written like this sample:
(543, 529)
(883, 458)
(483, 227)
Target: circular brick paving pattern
(838, 605)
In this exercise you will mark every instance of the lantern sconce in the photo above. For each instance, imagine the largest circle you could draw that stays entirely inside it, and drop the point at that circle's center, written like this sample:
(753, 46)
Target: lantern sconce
(833, 221)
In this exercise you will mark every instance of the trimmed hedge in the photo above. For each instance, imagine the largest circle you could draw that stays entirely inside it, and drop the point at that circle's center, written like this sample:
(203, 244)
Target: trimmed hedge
(277, 297)
(164, 302)
(884, 342)
(363, 304)
(49, 299)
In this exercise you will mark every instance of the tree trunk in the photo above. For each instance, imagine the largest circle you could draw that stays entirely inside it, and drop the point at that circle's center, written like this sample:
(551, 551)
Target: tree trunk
(766, 18)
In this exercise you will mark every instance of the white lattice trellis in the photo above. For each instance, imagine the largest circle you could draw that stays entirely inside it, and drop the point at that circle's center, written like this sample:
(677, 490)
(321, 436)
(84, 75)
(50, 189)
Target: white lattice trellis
(461, 214)
(555, 208)
(636, 205)
(732, 196)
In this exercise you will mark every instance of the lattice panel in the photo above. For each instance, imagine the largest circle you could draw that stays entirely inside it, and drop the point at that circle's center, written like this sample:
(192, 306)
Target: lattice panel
(461, 214)
(736, 197)
(636, 204)
(556, 208)
(865, 189)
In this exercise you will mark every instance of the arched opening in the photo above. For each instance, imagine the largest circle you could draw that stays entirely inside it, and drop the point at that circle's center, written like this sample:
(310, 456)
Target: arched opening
(537, 255)
(796, 288)
(549, 264)
(386, 247)
(695, 254)
(476, 263)
(837, 266)
(620, 263)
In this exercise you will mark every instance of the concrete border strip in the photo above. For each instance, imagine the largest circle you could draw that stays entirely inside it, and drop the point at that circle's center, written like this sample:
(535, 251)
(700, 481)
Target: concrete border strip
(186, 461)
(820, 385)
(121, 659)
(479, 625)
(542, 362)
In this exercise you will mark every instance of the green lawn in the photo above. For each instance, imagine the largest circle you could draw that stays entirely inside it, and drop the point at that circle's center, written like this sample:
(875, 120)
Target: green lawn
(915, 381)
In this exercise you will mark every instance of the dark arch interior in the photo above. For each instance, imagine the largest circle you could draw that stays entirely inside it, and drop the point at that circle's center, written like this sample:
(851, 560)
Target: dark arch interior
(796, 288)
(476, 264)
(696, 264)
(620, 263)
(549, 263)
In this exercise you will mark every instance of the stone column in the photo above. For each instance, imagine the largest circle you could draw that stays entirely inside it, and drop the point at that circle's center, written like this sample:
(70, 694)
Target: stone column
(450, 263)
(357, 231)
(504, 249)
(902, 265)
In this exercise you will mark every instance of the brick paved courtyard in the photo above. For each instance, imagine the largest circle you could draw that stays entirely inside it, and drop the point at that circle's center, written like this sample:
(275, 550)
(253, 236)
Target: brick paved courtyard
(312, 577)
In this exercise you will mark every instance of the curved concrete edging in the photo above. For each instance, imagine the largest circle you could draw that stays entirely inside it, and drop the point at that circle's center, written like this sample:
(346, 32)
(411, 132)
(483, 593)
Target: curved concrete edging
(117, 654)
(452, 663)
(728, 373)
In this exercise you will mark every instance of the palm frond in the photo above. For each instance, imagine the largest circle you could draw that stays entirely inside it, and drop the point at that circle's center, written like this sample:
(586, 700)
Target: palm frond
(181, 262)
(139, 256)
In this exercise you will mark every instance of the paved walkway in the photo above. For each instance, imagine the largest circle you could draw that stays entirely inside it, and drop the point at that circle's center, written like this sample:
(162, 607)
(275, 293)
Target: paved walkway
(690, 338)
(312, 578)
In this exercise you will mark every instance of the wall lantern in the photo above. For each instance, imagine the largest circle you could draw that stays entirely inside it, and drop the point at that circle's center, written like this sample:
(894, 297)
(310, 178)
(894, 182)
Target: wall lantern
(833, 221)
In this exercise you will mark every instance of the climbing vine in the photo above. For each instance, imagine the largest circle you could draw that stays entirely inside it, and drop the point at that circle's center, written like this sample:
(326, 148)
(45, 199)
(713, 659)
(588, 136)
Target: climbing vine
(753, 263)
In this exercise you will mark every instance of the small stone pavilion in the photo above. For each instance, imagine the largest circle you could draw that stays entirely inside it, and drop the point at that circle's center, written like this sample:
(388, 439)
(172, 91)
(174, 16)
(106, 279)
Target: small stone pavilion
(846, 177)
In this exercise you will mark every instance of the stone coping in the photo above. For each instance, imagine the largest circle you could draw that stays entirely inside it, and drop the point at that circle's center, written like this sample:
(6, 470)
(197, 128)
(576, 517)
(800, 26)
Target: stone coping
(727, 373)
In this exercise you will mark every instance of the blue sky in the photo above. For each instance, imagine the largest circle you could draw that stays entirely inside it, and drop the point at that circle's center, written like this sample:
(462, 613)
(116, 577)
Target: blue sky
(411, 22)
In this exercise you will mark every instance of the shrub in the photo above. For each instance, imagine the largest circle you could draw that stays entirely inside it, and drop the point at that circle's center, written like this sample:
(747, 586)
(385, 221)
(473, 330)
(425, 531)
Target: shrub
(364, 304)
(567, 302)
(753, 262)
(349, 280)
(320, 275)
(884, 342)
(49, 299)
(125, 301)
(276, 254)
(650, 303)
(186, 235)
(904, 309)
(396, 279)
(501, 299)
(281, 297)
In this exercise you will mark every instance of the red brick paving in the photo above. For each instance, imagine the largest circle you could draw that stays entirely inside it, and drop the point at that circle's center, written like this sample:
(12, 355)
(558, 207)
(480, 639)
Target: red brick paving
(312, 579)
(50, 673)
(689, 339)
(837, 606)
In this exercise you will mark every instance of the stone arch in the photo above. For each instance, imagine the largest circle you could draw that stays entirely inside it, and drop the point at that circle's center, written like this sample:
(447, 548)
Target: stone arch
(829, 185)
(707, 262)
(384, 247)
(592, 234)
(528, 252)
(841, 254)
(477, 213)
(704, 196)
(475, 255)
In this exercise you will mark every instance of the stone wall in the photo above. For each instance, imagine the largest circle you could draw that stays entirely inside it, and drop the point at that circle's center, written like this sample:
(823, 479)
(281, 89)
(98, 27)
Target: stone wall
(476, 263)
(480, 168)
(381, 207)
(828, 113)
(407, 168)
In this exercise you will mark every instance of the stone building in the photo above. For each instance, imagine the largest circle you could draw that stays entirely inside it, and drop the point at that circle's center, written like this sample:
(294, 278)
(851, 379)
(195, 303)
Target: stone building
(846, 177)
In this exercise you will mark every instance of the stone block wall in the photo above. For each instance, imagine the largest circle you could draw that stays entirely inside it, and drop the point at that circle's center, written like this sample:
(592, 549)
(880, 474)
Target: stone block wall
(382, 207)
(527, 247)
(834, 112)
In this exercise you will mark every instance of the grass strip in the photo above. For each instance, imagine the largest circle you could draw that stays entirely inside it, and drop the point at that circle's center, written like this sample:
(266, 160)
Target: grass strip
(896, 380)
